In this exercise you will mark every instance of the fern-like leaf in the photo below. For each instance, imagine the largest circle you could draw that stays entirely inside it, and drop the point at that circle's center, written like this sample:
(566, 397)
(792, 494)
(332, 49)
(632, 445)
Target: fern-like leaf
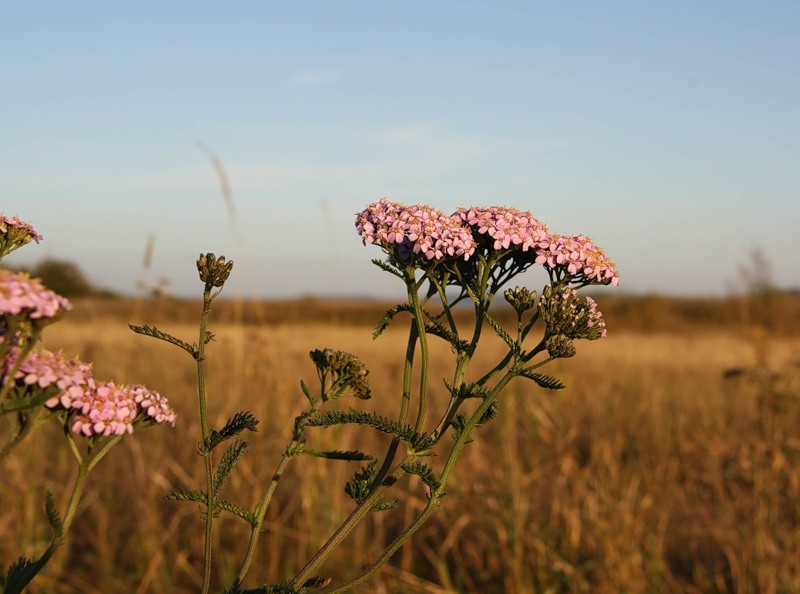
(19, 574)
(352, 456)
(239, 422)
(545, 381)
(388, 316)
(53, 517)
(388, 267)
(418, 442)
(156, 333)
(229, 459)
(236, 510)
(358, 486)
(491, 413)
(424, 472)
(186, 495)
(500, 331)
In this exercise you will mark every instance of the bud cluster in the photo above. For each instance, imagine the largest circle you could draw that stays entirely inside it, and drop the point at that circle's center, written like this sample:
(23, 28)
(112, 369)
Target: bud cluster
(347, 373)
(520, 298)
(213, 271)
(567, 314)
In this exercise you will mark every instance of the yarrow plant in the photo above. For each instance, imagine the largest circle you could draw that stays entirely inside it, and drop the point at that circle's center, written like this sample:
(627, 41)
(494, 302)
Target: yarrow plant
(37, 386)
(443, 260)
(467, 257)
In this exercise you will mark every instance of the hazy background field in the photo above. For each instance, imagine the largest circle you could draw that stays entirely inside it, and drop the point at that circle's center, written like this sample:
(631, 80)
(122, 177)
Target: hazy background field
(669, 464)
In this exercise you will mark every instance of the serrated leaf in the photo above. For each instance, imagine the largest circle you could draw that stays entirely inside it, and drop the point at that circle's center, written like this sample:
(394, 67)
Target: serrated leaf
(545, 381)
(53, 517)
(358, 487)
(236, 510)
(353, 456)
(388, 316)
(416, 441)
(491, 413)
(186, 495)
(19, 574)
(386, 505)
(241, 421)
(388, 267)
(156, 333)
(500, 331)
(228, 462)
(424, 472)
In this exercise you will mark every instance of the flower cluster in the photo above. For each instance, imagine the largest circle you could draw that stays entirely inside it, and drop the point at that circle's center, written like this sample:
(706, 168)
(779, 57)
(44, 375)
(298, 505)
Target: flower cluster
(412, 230)
(15, 233)
(94, 408)
(507, 227)
(404, 231)
(347, 373)
(21, 294)
(577, 257)
(565, 313)
(43, 369)
(110, 409)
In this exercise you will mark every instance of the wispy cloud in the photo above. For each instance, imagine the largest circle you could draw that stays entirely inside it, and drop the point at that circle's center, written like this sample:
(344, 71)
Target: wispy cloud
(312, 79)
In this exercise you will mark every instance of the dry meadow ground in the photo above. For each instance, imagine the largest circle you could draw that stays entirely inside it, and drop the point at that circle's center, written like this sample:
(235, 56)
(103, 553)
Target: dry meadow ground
(671, 463)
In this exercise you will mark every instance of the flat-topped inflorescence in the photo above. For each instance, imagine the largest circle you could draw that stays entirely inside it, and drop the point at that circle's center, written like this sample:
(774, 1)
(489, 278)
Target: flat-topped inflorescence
(507, 227)
(15, 233)
(22, 295)
(577, 257)
(43, 369)
(408, 231)
(110, 409)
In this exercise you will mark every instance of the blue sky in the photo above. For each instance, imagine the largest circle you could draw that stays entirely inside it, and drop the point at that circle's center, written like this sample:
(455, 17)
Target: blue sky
(667, 131)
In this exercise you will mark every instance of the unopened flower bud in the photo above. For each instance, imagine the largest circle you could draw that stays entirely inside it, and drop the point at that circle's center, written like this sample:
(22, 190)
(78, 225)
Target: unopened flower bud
(520, 298)
(213, 271)
(560, 347)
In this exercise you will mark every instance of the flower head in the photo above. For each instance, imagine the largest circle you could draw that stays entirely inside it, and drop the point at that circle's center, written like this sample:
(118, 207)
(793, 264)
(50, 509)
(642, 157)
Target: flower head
(43, 369)
(508, 228)
(565, 313)
(417, 230)
(15, 233)
(577, 257)
(22, 295)
(110, 409)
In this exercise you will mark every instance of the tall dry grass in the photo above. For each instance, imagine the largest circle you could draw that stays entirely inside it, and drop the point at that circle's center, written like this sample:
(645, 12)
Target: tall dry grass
(671, 463)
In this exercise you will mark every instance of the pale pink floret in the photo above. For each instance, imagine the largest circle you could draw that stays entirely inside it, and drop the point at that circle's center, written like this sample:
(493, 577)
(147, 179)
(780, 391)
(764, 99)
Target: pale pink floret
(112, 410)
(22, 295)
(44, 369)
(578, 257)
(414, 230)
(508, 227)
(14, 224)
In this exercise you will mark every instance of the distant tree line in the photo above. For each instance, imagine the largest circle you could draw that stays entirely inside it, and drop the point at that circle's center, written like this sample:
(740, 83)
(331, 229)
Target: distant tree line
(66, 278)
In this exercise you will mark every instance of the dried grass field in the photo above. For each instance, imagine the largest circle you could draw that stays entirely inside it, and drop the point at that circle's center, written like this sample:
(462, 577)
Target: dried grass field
(670, 463)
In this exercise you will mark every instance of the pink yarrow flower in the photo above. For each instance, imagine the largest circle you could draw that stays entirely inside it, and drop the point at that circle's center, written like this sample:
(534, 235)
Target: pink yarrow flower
(578, 257)
(43, 369)
(18, 230)
(508, 227)
(110, 409)
(414, 230)
(21, 294)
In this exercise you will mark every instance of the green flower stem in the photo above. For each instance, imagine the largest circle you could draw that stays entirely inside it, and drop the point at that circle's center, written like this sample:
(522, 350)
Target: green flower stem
(419, 320)
(347, 526)
(200, 358)
(85, 465)
(261, 508)
(435, 498)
